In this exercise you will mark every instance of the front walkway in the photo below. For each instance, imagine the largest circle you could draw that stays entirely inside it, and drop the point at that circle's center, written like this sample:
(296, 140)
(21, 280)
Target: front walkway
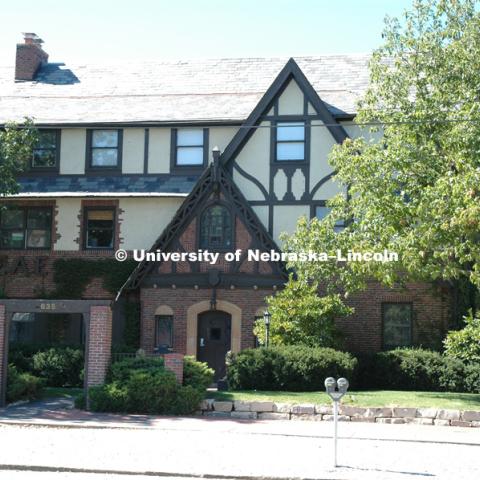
(103, 443)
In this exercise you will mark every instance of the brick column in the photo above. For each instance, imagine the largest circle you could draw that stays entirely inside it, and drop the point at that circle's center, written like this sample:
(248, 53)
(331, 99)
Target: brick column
(99, 344)
(174, 363)
(3, 355)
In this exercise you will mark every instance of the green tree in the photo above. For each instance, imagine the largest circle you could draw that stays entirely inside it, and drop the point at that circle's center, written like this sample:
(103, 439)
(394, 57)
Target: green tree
(465, 344)
(301, 317)
(413, 178)
(16, 144)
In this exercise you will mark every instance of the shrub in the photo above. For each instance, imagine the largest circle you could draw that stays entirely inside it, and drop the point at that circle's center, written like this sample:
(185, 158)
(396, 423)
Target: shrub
(465, 344)
(60, 367)
(415, 369)
(196, 374)
(22, 386)
(301, 317)
(122, 370)
(142, 385)
(293, 368)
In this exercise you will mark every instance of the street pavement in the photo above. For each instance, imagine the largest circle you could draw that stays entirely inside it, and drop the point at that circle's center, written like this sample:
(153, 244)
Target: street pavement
(87, 446)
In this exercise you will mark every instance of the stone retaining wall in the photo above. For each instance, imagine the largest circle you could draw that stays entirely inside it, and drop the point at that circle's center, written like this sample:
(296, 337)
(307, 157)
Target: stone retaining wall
(284, 411)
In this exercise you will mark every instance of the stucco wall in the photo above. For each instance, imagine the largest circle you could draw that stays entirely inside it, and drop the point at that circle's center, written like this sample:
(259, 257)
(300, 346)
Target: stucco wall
(291, 100)
(133, 150)
(68, 210)
(285, 218)
(72, 150)
(143, 219)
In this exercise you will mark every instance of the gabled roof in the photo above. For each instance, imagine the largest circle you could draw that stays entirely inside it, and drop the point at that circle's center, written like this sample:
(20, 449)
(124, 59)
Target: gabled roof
(290, 71)
(216, 90)
(214, 178)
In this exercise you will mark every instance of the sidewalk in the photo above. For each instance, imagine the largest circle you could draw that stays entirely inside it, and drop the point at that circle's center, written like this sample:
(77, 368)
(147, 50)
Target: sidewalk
(137, 444)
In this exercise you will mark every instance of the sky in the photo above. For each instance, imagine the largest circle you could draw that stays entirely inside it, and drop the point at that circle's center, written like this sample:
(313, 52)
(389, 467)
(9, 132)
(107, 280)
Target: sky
(108, 31)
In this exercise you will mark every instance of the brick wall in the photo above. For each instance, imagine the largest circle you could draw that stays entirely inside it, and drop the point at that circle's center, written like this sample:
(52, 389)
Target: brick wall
(180, 299)
(2, 355)
(28, 60)
(99, 344)
(174, 363)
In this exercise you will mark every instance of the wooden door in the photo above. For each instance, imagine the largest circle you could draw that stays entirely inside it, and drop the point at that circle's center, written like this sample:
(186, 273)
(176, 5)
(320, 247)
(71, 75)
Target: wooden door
(214, 340)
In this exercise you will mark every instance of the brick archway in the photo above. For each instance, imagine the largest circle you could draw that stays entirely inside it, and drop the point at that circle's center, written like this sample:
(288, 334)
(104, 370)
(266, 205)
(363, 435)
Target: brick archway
(192, 323)
(98, 321)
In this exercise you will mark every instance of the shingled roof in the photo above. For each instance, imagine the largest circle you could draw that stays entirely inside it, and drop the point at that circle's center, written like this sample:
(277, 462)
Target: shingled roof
(223, 90)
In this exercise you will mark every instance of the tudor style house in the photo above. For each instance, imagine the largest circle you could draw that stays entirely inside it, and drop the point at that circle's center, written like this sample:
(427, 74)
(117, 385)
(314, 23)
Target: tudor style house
(216, 155)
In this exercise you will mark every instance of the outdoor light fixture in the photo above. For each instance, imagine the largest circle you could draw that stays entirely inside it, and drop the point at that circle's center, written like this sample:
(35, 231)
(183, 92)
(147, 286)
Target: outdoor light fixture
(336, 389)
(266, 318)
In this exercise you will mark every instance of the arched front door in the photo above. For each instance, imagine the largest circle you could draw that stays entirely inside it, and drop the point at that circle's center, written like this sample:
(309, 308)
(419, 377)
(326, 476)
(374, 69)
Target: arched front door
(214, 339)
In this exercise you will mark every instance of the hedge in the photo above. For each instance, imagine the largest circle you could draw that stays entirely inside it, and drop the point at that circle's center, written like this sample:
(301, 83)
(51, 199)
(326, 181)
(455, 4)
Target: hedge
(22, 385)
(143, 385)
(289, 368)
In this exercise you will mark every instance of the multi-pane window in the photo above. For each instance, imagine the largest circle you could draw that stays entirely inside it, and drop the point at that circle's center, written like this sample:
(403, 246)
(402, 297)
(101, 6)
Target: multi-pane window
(190, 147)
(290, 141)
(25, 227)
(99, 228)
(105, 148)
(163, 332)
(216, 228)
(45, 152)
(321, 211)
(397, 324)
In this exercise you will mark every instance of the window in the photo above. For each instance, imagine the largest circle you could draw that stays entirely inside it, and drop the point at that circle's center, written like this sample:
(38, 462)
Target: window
(163, 333)
(397, 325)
(105, 148)
(290, 141)
(45, 152)
(321, 211)
(216, 228)
(25, 227)
(99, 227)
(190, 147)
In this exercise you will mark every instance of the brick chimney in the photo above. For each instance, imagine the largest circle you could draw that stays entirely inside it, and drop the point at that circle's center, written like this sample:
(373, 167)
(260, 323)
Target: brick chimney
(30, 57)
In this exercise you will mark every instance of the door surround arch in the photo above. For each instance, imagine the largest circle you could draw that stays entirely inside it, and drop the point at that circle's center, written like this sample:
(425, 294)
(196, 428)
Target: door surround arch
(192, 323)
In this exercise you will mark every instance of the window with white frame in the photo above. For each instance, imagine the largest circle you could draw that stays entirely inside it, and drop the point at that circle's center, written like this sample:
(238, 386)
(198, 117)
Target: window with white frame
(190, 147)
(290, 144)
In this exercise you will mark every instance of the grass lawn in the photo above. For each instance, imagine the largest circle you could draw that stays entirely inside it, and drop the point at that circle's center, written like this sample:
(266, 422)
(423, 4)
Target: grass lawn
(51, 392)
(373, 398)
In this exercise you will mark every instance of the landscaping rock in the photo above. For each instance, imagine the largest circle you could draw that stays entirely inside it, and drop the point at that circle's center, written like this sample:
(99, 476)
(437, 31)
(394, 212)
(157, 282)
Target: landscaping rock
(240, 406)
(244, 415)
(324, 409)
(427, 412)
(390, 420)
(352, 411)
(419, 421)
(223, 406)
(379, 412)
(315, 418)
(217, 414)
(282, 407)
(471, 416)
(460, 423)
(207, 404)
(363, 419)
(273, 416)
(261, 406)
(341, 418)
(448, 415)
(304, 409)
(404, 412)
(442, 423)
(476, 424)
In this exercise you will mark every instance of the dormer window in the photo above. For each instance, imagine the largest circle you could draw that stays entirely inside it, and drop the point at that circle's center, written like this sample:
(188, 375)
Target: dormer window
(216, 232)
(46, 151)
(290, 141)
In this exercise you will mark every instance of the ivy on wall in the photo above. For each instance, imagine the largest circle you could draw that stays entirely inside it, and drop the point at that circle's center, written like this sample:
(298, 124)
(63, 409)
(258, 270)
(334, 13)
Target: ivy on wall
(72, 275)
